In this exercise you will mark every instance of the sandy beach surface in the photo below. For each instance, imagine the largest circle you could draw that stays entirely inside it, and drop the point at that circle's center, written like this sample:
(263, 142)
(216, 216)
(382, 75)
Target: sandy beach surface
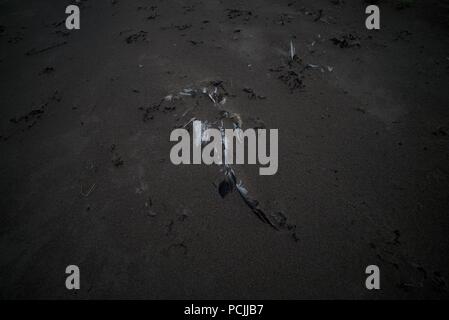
(85, 171)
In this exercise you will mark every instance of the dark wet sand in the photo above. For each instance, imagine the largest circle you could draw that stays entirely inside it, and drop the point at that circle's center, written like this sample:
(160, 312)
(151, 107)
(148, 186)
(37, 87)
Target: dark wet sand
(363, 151)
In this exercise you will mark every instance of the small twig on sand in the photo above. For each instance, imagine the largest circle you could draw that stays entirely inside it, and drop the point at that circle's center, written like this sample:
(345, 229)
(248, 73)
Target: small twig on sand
(88, 191)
